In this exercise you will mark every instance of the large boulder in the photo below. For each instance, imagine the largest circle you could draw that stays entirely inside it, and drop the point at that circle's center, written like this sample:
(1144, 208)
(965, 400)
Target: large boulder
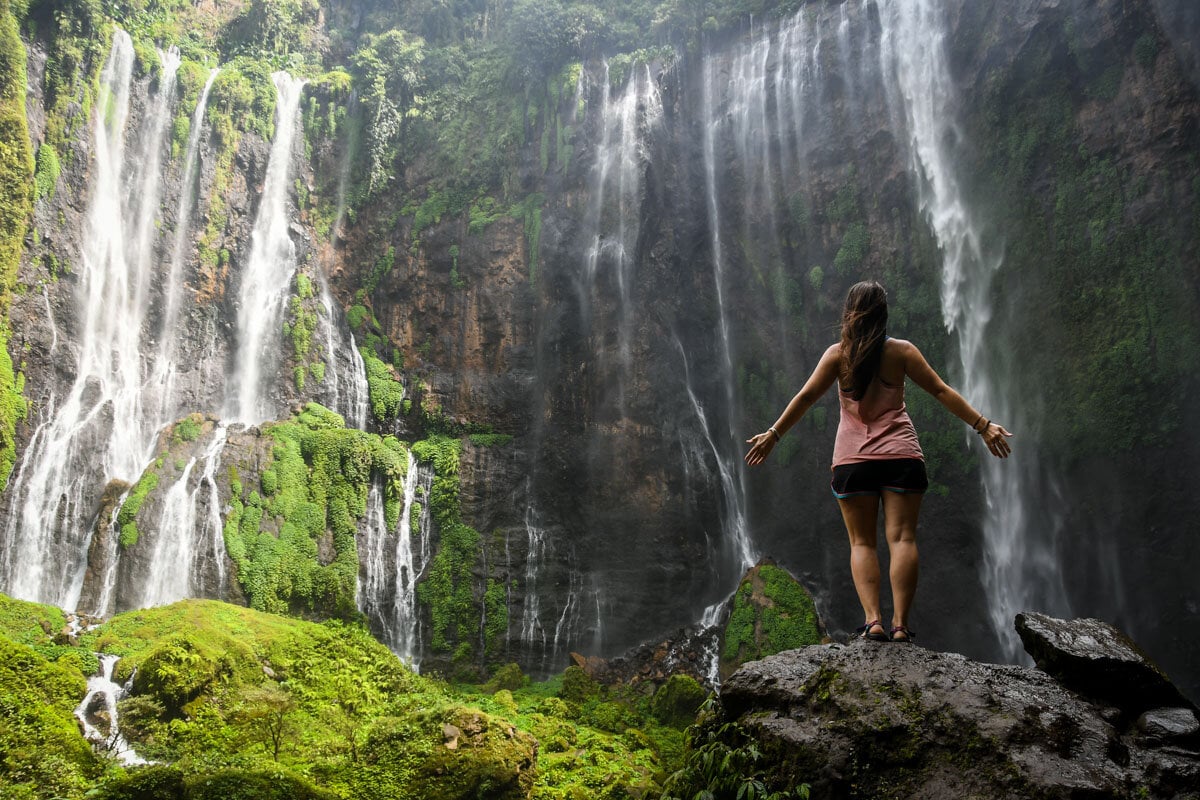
(870, 720)
(1097, 660)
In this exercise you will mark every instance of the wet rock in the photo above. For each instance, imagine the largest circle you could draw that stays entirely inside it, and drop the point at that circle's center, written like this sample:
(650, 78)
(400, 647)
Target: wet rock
(875, 720)
(1097, 660)
(689, 651)
(1169, 724)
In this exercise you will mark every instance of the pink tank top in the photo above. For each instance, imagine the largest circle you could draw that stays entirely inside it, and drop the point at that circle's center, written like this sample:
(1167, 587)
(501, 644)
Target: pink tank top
(876, 427)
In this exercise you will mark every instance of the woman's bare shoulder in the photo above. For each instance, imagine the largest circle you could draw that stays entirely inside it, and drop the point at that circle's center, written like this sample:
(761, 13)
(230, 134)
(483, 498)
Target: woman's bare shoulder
(899, 347)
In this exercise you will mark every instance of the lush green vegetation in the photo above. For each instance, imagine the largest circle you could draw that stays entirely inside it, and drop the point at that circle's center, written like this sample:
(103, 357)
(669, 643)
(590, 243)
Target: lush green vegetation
(457, 607)
(725, 763)
(229, 699)
(16, 199)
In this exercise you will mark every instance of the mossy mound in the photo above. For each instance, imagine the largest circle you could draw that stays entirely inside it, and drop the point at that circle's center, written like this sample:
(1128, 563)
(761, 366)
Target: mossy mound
(42, 753)
(772, 612)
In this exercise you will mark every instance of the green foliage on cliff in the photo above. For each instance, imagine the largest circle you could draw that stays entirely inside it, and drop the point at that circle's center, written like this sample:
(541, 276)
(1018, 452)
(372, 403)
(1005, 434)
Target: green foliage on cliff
(127, 516)
(385, 391)
(316, 491)
(449, 588)
(16, 200)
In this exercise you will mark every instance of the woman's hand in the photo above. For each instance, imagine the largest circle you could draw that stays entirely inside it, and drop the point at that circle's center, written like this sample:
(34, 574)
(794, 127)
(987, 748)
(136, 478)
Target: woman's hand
(996, 438)
(761, 446)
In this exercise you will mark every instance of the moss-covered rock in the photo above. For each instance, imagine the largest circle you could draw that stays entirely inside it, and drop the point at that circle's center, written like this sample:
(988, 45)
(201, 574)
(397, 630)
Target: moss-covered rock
(677, 701)
(771, 612)
(42, 753)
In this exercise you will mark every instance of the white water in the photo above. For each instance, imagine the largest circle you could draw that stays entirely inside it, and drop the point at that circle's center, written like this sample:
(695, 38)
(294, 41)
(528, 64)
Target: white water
(267, 277)
(100, 429)
(346, 390)
(532, 631)
(391, 562)
(1020, 568)
(164, 365)
(612, 219)
(172, 555)
(112, 741)
(179, 553)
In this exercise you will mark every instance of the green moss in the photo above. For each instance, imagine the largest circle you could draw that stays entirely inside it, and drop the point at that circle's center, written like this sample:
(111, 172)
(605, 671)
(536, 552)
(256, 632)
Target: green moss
(47, 171)
(127, 516)
(771, 613)
(44, 754)
(457, 605)
(384, 390)
(16, 203)
(677, 701)
(529, 211)
(187, 429)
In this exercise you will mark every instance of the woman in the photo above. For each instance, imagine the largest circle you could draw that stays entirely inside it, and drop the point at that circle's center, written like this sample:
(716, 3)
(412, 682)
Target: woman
(876, 454)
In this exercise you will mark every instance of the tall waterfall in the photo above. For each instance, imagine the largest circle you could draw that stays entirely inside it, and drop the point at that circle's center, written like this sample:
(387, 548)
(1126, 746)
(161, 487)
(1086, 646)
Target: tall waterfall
(392, 560)
(1020, 568)
(267, 277)
(164, 365)
(611, 221)
(99, 430)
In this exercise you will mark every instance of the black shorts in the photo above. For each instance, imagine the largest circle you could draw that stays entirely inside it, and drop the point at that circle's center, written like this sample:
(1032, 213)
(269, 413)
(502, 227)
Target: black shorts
(903, 475)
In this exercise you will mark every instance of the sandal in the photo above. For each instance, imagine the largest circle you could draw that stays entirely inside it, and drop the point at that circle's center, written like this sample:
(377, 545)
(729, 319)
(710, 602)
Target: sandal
(906, 639)
(864, 631)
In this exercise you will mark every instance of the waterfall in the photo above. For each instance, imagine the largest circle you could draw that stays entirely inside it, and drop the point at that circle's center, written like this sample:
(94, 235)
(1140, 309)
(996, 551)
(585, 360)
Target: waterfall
(1020, 568)
(390, 565)
(50, 321)
(267, 277)
(177, 564)
(172, 555)
(346, 390)
(612, 220)
(99, 430)
(102, 689)
(164, 365)
(532, 631)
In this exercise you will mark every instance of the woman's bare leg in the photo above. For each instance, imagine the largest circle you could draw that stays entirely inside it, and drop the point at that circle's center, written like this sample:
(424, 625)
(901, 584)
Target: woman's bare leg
(900, 513)
(861, 514)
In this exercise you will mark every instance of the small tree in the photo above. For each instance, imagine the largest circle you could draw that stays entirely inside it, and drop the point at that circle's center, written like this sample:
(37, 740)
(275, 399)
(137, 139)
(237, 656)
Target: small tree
(265, 715)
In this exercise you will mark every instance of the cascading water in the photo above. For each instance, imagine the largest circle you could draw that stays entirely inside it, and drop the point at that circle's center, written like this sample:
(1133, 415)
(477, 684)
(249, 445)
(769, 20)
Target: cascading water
(346, 390)
(103, 691)
(390, 565)
(164, 365)
(189, 509)
(1020, 569)
(267, 277)
(100, 429)
(532, 632)
(612, 220)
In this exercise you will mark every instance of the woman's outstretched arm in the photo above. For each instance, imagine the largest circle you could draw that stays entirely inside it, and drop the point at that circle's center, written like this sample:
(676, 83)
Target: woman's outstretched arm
(817, 384)
(995, 437)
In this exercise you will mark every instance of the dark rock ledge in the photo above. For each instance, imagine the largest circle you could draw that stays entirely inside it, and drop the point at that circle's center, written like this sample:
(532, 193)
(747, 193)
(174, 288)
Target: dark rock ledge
(869, 720)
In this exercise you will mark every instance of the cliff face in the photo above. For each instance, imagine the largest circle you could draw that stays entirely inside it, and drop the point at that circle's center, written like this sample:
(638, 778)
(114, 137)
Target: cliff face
(640, 273)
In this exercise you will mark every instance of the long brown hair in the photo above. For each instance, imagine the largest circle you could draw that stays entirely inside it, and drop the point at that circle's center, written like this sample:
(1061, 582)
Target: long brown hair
(864, 326)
